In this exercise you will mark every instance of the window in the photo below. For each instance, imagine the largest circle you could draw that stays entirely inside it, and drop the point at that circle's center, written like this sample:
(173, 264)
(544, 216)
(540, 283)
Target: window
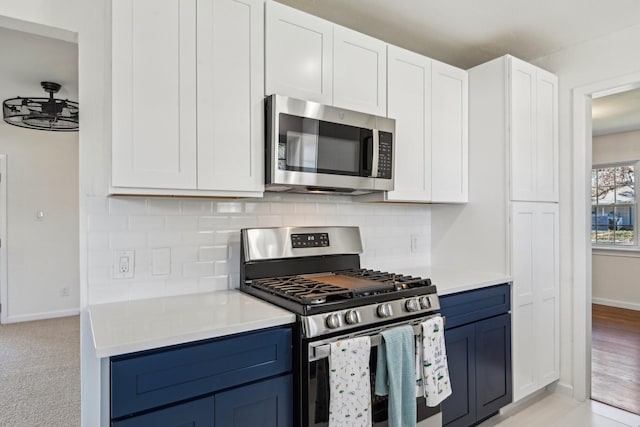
(613, 205)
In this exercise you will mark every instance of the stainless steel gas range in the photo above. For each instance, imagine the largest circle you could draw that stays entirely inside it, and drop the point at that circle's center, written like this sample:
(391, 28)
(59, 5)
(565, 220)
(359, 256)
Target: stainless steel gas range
(315, 272)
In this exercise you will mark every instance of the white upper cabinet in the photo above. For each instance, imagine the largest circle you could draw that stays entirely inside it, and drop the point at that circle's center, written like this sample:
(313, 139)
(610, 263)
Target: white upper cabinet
(169, 138)
(359, 72)
(449, 134)
(154, 94)
(299, 54)
(230, 95)
(313, 59)
(534, 132)
(429, 101)
(409, 101)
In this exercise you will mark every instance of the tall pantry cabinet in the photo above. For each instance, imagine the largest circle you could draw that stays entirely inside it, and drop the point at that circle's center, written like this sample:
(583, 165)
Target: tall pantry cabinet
(513, 110)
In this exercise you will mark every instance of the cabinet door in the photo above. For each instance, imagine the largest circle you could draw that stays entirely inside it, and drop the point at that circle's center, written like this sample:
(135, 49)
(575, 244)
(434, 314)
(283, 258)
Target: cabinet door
(459, 409)
(547, 282)
(535, 296)
(546, 136)
(299, 57)
(154, 94)
(230, 95)
(493, 365)
(199, 413)
(265, 404)
(449, 133)
(359, 72)
(523, 130)
(409, 102)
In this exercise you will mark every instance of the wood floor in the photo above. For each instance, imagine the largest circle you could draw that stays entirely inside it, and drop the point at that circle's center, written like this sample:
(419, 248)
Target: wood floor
(615, 363)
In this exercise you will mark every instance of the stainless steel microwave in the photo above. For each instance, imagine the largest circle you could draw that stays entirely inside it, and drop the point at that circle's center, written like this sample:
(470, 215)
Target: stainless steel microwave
(314, 148)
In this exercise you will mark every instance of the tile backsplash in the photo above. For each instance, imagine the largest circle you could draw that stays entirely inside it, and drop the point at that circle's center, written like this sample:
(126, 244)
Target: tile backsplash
(193, 245)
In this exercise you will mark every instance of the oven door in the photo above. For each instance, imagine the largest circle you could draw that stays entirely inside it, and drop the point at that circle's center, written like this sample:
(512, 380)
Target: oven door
(315, 382)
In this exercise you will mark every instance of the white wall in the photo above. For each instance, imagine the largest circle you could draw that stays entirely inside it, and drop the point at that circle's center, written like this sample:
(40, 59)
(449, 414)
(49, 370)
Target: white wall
(42, 175)
(583, 64)
(615, 275)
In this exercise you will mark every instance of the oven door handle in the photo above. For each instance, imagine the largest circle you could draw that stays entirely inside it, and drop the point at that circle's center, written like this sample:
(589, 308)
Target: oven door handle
(321, 350)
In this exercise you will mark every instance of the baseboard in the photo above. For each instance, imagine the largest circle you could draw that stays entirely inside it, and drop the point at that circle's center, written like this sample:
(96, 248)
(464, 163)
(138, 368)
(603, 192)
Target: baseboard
(43, 316)
(616, 303)
(514, 407)
(561, 388)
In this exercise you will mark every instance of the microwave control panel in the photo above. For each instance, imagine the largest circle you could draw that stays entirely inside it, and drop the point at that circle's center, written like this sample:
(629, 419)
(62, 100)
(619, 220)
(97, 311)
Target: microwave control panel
(385, 161)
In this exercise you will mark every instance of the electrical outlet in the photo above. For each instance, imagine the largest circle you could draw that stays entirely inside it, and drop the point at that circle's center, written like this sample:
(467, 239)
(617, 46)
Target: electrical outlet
(64, 292)
(123, 264)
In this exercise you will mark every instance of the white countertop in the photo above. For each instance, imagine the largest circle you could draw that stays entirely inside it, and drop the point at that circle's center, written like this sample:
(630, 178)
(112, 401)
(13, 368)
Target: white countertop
(450, 281)
(130, 326)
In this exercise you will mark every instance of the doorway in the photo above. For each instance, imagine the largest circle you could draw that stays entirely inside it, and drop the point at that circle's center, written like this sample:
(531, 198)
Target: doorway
(581, 215)
(39, 217)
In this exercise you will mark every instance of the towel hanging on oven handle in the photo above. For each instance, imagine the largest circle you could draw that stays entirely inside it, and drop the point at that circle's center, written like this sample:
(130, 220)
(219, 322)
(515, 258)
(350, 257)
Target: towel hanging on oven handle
(321, 349)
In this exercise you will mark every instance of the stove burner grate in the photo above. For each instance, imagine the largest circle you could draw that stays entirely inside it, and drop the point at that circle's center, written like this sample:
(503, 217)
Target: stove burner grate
(307, 291)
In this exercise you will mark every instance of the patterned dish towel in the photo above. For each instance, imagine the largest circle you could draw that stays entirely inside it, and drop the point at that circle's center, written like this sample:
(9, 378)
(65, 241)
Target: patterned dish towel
(435, 372)
(349, 383)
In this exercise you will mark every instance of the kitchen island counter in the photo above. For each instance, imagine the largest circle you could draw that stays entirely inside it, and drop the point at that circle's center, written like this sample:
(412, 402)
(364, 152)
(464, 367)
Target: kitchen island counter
(131, 326)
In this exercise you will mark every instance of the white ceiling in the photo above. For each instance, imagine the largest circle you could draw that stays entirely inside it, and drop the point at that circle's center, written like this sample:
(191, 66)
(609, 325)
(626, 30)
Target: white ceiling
(463, 33)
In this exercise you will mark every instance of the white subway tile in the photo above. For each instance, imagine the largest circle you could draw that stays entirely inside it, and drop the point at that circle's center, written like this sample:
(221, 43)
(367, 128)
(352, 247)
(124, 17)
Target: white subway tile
(127, 240)
(127, 206)
(213, 223)
(148, 289)
(146, 223)
(257, 208)
(226, 237)
(101, 293)
(97, 240)
(199, 238)
(107, 223)
(270, 221)
(282, 208)
(199, 269)
(228, 207)
(234, 253)
(305, 208)
(197, 207)
(214, 283)
(157, 206)
(97, 205)
(222, 268)
(181, 286)
(164, 238)
(184, 254)
(238, 222)
(234, 281)
(160, 261)
(100, 258)
(99, 273)
(213, 253)
(327, 209)
(181, 223)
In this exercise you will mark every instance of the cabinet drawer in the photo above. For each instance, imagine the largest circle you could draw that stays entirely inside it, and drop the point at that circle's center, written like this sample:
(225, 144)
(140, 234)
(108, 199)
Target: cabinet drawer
(146, 380)
(199, 413)
(471, 306)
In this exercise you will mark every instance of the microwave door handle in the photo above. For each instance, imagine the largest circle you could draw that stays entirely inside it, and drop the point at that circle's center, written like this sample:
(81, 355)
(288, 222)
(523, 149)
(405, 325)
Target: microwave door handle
(376, 151)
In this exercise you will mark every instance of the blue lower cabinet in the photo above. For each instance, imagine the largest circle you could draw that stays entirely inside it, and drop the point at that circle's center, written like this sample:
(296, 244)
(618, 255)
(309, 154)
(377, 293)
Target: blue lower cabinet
(493, 365)
(199, 413)
(264, 404)
(459, 410)
(478, 340)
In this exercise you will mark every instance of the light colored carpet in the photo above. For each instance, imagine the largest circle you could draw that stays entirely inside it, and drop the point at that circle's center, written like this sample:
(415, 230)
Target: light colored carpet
(40, 373)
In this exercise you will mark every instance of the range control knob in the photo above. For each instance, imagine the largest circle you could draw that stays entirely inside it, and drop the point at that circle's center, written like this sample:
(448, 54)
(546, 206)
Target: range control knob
(425, 302)
(412, 305)
(333, 321)
(351, 317)
(384, 310)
